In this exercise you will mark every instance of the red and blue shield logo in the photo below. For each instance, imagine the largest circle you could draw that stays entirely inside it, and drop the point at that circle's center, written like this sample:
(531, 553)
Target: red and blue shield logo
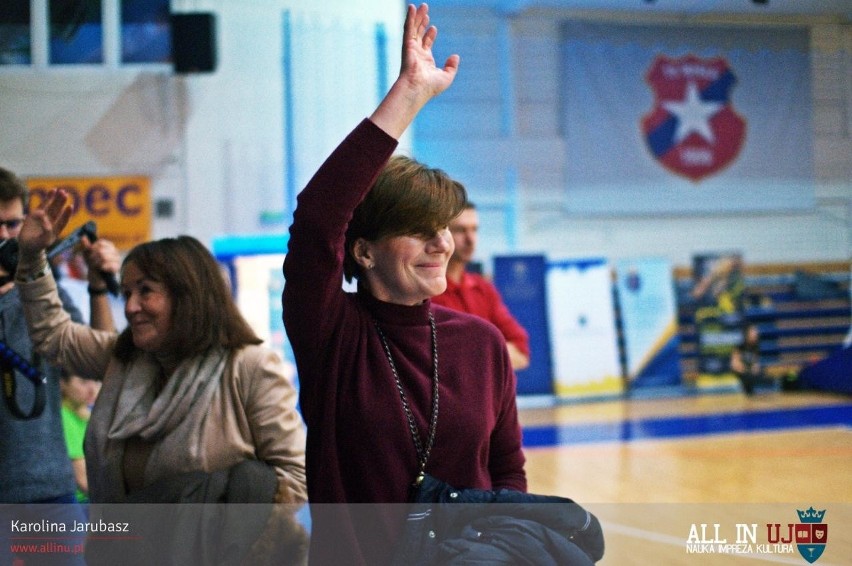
(811, 534)
(693, 130)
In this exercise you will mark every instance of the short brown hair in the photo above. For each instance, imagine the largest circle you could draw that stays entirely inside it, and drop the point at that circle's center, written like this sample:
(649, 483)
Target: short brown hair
(12, 187)
(204, 312)
(408, 198)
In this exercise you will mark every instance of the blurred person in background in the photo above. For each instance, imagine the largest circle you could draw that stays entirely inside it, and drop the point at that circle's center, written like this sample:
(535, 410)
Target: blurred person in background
(33, 460)
(745, 360)
(78, 397)
(71, 271)
(474, 294)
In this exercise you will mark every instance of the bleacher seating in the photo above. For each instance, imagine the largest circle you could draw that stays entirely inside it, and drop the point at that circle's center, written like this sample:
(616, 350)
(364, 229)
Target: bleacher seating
(802, 311)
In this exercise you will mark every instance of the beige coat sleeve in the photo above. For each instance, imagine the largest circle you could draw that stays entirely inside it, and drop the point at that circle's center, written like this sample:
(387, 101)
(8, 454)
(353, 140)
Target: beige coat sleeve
(77, 347)
(268, 394)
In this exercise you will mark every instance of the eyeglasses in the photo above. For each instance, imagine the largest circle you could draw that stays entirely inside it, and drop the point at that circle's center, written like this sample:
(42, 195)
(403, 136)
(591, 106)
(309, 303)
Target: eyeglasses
(12, 224)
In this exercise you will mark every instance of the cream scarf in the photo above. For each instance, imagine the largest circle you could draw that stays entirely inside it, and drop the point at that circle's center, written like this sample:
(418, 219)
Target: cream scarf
(173, 420)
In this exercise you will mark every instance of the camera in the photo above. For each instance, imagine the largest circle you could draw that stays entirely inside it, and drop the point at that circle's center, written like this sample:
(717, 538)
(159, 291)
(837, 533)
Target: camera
(9, 255)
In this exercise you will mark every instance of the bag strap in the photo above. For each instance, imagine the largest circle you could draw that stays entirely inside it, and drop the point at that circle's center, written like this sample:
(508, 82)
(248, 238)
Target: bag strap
(11, 361)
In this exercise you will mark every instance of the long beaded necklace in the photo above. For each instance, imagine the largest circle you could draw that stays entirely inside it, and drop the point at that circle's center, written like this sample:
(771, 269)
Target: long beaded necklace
(422, 452)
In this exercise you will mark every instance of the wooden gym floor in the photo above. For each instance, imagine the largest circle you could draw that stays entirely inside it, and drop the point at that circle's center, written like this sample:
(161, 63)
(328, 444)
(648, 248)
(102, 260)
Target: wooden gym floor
(652, 469)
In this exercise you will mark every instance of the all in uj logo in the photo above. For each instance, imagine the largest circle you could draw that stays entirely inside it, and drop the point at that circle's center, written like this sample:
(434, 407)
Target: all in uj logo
(810, 537)
(693, 129)
(811, 534)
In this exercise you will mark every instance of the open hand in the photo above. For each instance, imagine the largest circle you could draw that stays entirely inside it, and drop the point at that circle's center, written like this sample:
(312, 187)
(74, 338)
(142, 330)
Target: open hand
(418, 64)
(42, 226)
(419, 78)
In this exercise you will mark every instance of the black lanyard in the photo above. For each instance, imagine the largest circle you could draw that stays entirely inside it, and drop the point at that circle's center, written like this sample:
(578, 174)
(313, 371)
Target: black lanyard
(11, 361)
(422, 451)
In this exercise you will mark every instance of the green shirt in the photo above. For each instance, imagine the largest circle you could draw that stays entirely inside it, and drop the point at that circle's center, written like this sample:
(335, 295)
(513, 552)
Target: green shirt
(74, 427)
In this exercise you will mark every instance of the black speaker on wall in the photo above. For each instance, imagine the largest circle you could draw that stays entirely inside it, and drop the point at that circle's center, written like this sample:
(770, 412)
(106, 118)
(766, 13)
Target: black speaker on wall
(193, 42)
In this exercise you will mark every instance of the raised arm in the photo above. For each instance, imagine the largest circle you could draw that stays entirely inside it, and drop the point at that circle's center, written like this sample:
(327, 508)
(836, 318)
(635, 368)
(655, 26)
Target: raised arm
(102, 258)
(313, 267)
(77, 347)
(419, 78)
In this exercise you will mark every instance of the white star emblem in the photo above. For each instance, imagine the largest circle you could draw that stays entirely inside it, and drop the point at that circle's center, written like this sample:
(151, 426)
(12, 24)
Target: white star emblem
(693, 114)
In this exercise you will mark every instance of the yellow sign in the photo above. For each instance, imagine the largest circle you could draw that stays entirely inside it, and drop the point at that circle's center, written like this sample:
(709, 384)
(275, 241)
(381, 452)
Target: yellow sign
(120, 206)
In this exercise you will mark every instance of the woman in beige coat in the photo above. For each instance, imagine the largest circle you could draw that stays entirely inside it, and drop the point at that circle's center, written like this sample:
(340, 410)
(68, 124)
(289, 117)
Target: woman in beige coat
(186, 386)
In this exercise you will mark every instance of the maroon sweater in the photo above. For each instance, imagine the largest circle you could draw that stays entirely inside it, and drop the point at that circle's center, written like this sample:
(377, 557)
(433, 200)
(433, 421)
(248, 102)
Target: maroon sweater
(359, 447)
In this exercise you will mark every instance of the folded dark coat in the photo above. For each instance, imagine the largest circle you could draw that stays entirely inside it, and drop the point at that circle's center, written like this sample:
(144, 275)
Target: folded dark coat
(473, 526)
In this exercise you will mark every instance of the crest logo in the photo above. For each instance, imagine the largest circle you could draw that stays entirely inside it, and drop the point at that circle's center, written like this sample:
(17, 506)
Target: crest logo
(692, 130)
(811, 534)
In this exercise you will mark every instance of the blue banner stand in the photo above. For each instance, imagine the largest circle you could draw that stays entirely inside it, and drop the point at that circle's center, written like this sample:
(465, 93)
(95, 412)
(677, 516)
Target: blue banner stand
(521, 282)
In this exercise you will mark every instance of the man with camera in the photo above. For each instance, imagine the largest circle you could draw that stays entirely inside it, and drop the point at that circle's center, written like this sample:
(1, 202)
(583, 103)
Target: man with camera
(34, 463)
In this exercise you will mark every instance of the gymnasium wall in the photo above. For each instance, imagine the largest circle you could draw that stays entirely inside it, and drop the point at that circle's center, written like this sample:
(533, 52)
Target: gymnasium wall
(214, 145)
(509, 151)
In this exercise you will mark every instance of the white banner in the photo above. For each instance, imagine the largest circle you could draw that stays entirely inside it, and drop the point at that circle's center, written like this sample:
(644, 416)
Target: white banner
(583, 336)
(648, 319)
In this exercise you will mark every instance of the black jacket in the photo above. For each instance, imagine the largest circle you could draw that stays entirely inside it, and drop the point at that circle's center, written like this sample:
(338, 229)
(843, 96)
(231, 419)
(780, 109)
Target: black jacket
(472, 526)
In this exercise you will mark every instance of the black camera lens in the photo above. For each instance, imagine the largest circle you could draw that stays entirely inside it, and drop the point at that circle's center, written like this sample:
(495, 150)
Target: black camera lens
(9, 255)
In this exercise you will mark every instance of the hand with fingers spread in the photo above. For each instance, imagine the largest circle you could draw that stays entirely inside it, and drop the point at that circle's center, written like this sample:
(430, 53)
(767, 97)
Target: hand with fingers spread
(419, 79)
(42, 226)
(418, 62)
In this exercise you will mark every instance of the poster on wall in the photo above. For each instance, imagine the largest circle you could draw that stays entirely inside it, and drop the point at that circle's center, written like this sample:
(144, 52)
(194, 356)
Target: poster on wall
(583, 335)
(648, 321)
(685, 118)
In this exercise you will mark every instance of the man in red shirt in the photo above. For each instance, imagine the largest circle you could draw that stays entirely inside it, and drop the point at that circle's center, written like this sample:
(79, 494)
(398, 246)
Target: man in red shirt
(472, 293)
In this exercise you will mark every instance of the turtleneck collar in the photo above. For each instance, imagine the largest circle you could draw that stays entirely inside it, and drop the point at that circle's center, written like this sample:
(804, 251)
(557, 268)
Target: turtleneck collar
(392, 313)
